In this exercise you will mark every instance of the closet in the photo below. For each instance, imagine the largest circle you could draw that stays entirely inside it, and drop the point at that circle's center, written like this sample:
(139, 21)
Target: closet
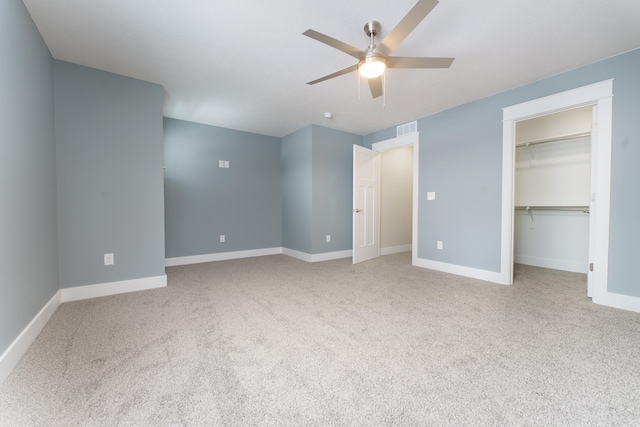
(552, 190)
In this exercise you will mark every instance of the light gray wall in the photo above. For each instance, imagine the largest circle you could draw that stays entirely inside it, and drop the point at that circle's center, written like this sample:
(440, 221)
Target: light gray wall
(461, 161)
(109, 176)
(461, 155)
(378, 136)
(332, 189)
(28, 229)
(317, 182)
(297, 187)
(624, 233)
(203, 201)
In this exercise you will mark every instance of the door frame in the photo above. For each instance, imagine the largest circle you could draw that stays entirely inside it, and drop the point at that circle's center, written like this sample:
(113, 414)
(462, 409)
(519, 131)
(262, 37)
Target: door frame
(599, 95)
(407, 140)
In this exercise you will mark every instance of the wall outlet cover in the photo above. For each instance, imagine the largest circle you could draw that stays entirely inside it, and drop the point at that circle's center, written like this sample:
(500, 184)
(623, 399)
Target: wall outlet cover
(108, 259)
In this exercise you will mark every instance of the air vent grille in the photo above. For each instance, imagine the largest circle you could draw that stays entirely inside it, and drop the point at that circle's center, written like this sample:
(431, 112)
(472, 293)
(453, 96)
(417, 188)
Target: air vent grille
(406, 128)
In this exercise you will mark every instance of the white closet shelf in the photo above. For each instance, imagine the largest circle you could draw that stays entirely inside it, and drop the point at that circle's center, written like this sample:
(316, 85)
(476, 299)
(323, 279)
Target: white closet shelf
(584, 209)
(554, 139)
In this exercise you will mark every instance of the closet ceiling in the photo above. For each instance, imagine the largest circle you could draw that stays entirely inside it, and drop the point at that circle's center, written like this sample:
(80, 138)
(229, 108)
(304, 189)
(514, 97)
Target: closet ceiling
(243, 64)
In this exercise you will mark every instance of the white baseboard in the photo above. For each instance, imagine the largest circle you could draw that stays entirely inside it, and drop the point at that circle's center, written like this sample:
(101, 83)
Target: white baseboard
(623, 302)
(327, 256)
(223, 256)
(19, 346)
(474, 273)
(112, 288)
(395, 249)
(573, 266)
(610, 299)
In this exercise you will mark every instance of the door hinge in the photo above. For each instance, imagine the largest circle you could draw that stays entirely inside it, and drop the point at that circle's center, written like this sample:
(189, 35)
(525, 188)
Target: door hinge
(591, 267)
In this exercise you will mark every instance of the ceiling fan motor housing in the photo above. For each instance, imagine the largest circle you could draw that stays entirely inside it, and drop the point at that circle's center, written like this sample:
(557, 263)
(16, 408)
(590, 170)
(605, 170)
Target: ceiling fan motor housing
(372, 28)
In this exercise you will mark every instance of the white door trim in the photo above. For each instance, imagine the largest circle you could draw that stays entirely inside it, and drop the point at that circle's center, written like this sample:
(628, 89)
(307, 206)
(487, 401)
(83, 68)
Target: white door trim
(407, 140)
(597, 94)
(592, 189)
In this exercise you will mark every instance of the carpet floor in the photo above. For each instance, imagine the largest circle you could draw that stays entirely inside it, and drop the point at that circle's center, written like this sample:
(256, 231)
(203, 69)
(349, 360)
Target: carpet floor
(276, 341)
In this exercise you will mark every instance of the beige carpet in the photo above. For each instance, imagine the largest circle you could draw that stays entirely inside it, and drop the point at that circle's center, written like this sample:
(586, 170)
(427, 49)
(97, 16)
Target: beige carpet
(276, 341)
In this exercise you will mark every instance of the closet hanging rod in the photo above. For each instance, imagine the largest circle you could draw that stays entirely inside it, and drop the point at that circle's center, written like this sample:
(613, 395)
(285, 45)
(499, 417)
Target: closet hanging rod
(584, 209)
(555, 138)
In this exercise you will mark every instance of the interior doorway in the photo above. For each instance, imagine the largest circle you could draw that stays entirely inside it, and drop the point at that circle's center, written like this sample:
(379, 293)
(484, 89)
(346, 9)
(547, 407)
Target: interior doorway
(410, 142)
(383, 208)
(396, 200)
(599, 96)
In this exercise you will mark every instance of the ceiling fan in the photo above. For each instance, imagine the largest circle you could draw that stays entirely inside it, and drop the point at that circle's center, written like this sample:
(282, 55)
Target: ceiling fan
(373, 61)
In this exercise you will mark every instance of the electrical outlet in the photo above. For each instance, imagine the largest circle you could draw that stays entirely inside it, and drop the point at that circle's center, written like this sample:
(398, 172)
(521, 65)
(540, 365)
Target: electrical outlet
(431, 195)
(328, 238)
(226, 164)
(221, 164)
(439, 244)
(108, 259)
(222, 238)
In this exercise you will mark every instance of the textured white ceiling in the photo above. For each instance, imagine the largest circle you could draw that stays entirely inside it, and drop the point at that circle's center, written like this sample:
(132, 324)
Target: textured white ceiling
(243, 64)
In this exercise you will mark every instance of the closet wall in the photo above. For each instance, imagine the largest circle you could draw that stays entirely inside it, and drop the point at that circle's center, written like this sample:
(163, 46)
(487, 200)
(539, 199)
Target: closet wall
(552, 190)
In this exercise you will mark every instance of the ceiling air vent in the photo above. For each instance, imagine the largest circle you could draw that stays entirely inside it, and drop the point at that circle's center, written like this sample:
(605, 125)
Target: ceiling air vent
(406, 128)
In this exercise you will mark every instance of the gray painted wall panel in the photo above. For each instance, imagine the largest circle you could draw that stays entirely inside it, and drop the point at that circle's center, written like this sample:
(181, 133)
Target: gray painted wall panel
(203, 201)
(317, 186)
(109, 176)
(461, 155)
(624, 232)
(297, 187)
(28, 246)
(332, 189)
(462, 163)
(381, 135)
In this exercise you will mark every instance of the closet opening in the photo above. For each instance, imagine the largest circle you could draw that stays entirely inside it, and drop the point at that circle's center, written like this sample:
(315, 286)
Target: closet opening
(599, 96)
(553, 183)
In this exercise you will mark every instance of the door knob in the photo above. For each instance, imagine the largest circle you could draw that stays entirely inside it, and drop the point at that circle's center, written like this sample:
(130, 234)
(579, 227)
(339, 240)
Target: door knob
(357, 210)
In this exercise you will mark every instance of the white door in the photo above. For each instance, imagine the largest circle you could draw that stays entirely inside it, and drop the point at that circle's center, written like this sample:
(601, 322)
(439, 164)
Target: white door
(366, 204)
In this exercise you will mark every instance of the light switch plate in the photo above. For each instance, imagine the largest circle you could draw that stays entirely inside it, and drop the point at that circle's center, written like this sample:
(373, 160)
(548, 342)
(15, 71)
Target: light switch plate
(108, 259)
